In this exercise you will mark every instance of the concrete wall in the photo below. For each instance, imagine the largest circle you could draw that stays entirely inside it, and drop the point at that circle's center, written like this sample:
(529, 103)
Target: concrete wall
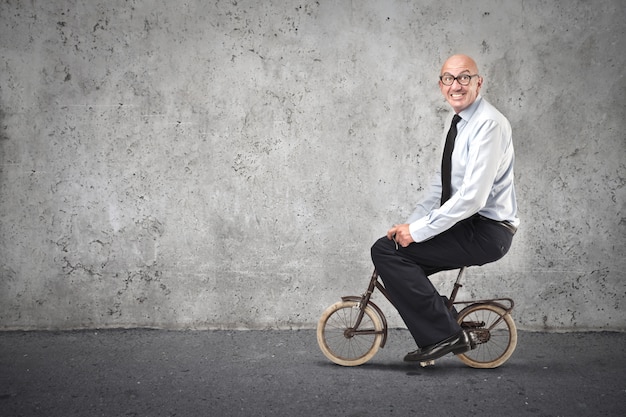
(227, 164)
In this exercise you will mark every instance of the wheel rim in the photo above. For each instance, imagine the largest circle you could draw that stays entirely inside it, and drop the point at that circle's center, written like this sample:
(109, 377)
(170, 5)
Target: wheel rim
(338, 343)
(495, 335)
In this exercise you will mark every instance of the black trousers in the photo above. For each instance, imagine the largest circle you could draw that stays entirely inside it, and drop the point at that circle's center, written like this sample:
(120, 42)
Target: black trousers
(405, 271)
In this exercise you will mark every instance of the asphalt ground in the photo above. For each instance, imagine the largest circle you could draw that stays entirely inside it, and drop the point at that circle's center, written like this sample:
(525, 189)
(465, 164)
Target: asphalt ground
(142, 372)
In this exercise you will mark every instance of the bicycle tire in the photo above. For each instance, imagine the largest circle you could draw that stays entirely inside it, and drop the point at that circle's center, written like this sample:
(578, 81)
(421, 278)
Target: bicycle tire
(348, 350)
(494, 345)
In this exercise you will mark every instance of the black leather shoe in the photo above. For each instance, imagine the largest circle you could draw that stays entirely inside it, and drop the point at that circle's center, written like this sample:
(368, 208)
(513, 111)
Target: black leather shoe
(457, 344)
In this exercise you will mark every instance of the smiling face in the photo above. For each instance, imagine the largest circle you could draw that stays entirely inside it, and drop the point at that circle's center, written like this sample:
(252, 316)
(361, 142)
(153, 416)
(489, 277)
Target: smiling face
(460, 96)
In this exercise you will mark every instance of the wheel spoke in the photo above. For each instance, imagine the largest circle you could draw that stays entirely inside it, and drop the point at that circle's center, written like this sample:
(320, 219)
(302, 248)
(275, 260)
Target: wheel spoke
(340, 346)
(496, 335)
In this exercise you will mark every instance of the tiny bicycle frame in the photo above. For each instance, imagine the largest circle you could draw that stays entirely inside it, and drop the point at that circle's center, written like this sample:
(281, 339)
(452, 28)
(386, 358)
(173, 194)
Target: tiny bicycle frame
(351, 331)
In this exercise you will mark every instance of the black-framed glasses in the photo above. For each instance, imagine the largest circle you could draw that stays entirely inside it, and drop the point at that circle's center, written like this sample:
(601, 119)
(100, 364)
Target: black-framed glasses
(463, 79)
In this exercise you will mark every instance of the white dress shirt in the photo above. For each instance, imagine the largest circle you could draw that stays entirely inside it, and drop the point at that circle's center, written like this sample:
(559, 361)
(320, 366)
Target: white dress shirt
(482, 175)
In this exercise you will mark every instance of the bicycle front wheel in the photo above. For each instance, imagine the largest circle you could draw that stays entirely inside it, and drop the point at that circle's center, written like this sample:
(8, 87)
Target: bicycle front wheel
(494, 332)
(341, 346)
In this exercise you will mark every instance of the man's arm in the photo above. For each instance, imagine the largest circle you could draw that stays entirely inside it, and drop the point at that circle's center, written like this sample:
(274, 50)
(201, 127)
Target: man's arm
(430, 201)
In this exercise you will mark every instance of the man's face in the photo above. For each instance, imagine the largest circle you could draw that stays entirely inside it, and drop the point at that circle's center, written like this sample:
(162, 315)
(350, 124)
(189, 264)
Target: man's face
(460, 96)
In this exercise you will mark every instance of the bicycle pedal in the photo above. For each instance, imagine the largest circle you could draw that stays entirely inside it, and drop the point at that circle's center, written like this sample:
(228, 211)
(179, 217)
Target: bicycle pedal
(424, 364)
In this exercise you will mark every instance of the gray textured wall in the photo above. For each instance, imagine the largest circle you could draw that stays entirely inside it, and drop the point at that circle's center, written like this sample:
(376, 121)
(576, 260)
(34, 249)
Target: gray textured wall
(227, 164)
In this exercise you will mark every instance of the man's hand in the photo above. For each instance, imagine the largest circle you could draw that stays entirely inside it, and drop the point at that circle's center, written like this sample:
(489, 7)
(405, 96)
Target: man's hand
(400, 233)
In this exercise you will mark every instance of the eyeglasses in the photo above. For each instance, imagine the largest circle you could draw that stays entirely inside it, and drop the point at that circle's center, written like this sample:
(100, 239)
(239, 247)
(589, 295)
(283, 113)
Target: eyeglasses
(463, 79)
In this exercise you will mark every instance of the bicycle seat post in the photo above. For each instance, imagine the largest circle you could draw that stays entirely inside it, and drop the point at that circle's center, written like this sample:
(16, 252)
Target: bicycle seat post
(457, 285)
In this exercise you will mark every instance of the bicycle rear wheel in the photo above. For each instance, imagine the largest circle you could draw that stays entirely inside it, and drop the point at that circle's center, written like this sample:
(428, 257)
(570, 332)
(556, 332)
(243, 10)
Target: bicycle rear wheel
(495, 340)
(341, 347)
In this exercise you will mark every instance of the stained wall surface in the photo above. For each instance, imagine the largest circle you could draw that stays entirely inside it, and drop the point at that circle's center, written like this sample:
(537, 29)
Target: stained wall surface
(228, 164)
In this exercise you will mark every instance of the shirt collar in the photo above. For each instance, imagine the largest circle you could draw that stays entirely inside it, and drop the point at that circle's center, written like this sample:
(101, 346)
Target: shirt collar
(469, 112)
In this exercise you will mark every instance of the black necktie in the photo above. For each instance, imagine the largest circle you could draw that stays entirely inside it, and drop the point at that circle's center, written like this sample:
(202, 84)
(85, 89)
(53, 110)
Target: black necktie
(446, 162)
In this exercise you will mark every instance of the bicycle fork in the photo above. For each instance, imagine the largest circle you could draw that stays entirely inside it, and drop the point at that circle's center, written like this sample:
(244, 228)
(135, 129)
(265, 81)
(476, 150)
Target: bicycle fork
(362, 303)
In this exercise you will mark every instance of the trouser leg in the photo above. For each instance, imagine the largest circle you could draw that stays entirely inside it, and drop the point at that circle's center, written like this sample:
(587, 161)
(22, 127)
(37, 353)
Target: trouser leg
(405, 272)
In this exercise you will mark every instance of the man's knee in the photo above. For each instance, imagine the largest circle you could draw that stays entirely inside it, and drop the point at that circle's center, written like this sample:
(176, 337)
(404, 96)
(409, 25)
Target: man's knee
(381, 247)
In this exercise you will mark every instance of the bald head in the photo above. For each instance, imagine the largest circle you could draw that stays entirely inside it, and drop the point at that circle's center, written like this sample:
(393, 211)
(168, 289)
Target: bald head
(459, 63)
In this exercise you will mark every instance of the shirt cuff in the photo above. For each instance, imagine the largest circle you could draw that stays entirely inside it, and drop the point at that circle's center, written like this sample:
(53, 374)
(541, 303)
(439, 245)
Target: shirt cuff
(418, 230)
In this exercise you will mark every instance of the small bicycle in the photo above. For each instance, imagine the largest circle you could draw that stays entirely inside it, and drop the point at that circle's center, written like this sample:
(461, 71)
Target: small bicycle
(351, 331)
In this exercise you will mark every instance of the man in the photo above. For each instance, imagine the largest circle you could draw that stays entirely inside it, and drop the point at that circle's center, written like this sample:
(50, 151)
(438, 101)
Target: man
(467, 217)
